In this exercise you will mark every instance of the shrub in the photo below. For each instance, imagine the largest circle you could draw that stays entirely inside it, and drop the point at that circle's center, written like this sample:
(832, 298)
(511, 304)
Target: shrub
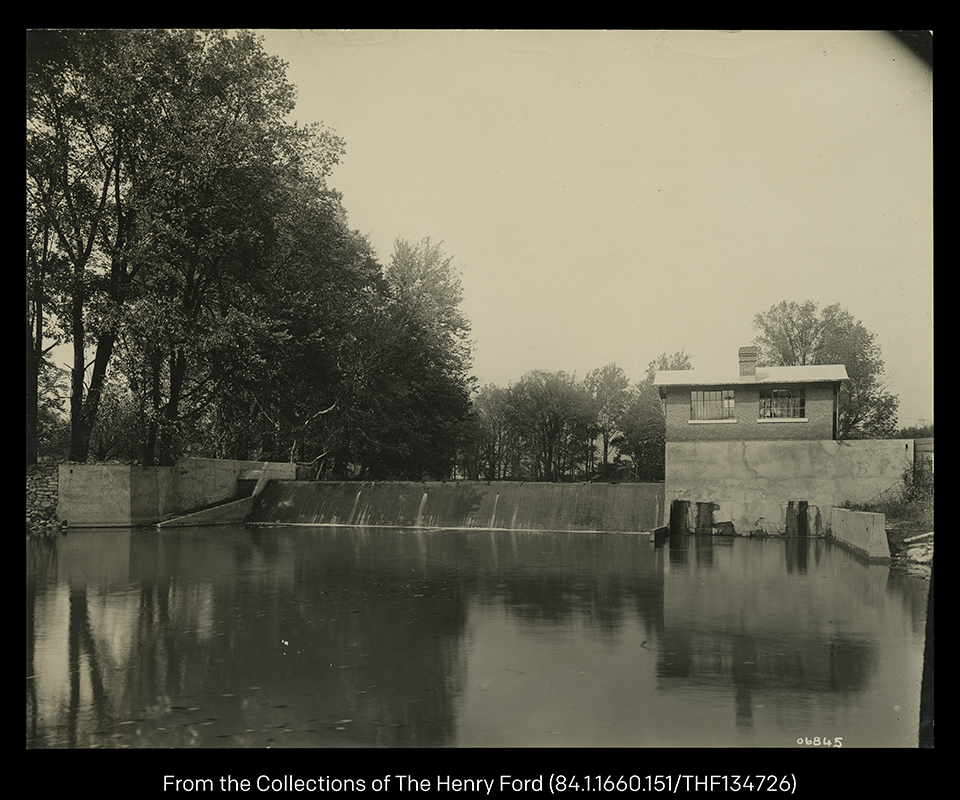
(910, 502)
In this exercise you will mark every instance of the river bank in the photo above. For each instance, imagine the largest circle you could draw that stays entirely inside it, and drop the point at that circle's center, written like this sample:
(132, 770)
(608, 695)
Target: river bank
(911, 548)
(909, 523)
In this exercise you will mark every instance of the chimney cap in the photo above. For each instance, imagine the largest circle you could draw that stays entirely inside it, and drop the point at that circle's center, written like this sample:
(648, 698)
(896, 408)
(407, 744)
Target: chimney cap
(750, 350)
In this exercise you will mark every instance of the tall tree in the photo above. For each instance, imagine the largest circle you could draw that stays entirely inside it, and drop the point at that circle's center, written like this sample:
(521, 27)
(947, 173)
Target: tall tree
(644, 421)
(232, 168)
(76, 175)
(419, 343)
(398, 383)
(44, 268)
(159, 158)
(552, 410)
(291, 394)
(493, 435)
(427, 285)
(610, 389)
(793, 334)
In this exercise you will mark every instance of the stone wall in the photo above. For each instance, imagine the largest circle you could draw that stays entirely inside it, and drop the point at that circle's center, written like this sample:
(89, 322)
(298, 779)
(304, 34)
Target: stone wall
(42, 495)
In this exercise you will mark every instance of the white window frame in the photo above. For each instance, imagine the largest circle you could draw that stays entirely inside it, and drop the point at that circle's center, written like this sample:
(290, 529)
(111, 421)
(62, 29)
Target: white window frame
(793, 399)
(702, 401)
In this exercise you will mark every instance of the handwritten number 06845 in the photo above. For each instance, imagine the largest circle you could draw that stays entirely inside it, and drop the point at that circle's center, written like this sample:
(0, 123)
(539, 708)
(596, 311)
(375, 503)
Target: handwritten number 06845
(816, 741)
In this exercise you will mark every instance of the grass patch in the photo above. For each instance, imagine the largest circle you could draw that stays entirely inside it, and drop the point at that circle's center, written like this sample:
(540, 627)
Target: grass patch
(907, 508)
(909, 503)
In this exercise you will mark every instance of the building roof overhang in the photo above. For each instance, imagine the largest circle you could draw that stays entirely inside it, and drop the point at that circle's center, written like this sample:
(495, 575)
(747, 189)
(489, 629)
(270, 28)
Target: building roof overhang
(820, 373)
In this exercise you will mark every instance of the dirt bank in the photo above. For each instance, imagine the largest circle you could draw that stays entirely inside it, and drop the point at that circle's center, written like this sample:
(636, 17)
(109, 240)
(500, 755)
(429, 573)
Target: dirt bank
(911, 547)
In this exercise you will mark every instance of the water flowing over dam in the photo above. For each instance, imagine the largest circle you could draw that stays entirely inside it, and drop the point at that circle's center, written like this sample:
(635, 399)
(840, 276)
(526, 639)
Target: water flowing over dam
(625, 507)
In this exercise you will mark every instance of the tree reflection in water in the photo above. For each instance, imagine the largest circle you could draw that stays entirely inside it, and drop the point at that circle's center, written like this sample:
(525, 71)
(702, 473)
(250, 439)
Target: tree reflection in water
(327, 636)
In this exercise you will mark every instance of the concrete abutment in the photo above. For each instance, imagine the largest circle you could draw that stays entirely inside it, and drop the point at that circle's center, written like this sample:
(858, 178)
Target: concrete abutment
(777, 487)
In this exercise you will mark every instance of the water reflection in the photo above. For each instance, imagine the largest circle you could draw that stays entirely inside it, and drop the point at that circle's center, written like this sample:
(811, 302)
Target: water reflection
(301, 636)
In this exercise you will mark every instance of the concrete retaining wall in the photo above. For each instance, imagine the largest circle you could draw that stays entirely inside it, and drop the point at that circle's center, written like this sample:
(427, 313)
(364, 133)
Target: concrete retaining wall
(632, 507)
(121, 495)
(756, 484)
(861, 531)
(233, 513)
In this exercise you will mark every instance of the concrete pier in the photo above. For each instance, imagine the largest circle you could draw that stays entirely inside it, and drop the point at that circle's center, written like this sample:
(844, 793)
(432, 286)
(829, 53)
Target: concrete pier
(861, 531)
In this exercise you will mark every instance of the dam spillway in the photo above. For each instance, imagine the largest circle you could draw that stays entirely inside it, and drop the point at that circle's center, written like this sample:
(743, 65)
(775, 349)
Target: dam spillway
(623, 507)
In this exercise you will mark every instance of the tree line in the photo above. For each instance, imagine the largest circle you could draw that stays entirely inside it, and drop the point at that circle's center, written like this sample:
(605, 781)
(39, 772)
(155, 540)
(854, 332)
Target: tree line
(183, 241)
(551, 426)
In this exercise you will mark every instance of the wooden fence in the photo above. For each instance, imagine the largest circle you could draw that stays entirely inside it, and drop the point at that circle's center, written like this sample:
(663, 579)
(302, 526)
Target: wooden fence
(923, 454)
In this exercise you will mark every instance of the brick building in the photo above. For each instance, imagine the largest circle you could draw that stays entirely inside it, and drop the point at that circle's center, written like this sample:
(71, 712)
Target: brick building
(754, 403)
(755, 449)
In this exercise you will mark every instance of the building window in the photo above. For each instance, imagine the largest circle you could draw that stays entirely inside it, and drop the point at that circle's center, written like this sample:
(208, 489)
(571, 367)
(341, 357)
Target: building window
(712, 405)
(782, 404)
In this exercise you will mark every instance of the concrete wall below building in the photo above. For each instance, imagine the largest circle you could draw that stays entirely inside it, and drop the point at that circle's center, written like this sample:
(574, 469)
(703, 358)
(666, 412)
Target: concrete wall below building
(762, 486)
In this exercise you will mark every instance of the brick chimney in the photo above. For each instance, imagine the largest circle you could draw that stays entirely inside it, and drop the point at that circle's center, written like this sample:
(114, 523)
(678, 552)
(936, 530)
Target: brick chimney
(748, 364)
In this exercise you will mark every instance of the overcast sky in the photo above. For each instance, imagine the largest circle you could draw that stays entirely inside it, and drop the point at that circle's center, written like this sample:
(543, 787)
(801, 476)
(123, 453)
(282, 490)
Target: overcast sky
(609, 196)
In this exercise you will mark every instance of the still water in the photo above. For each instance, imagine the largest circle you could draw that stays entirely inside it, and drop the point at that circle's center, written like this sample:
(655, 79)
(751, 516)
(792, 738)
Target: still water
(335, 636)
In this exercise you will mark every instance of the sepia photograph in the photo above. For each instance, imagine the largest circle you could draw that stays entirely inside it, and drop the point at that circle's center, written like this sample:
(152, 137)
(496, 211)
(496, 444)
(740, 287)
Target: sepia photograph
(479, 389)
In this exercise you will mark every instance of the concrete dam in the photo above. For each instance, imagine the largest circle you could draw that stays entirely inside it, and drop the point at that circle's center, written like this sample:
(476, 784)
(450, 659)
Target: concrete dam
(625, 507)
